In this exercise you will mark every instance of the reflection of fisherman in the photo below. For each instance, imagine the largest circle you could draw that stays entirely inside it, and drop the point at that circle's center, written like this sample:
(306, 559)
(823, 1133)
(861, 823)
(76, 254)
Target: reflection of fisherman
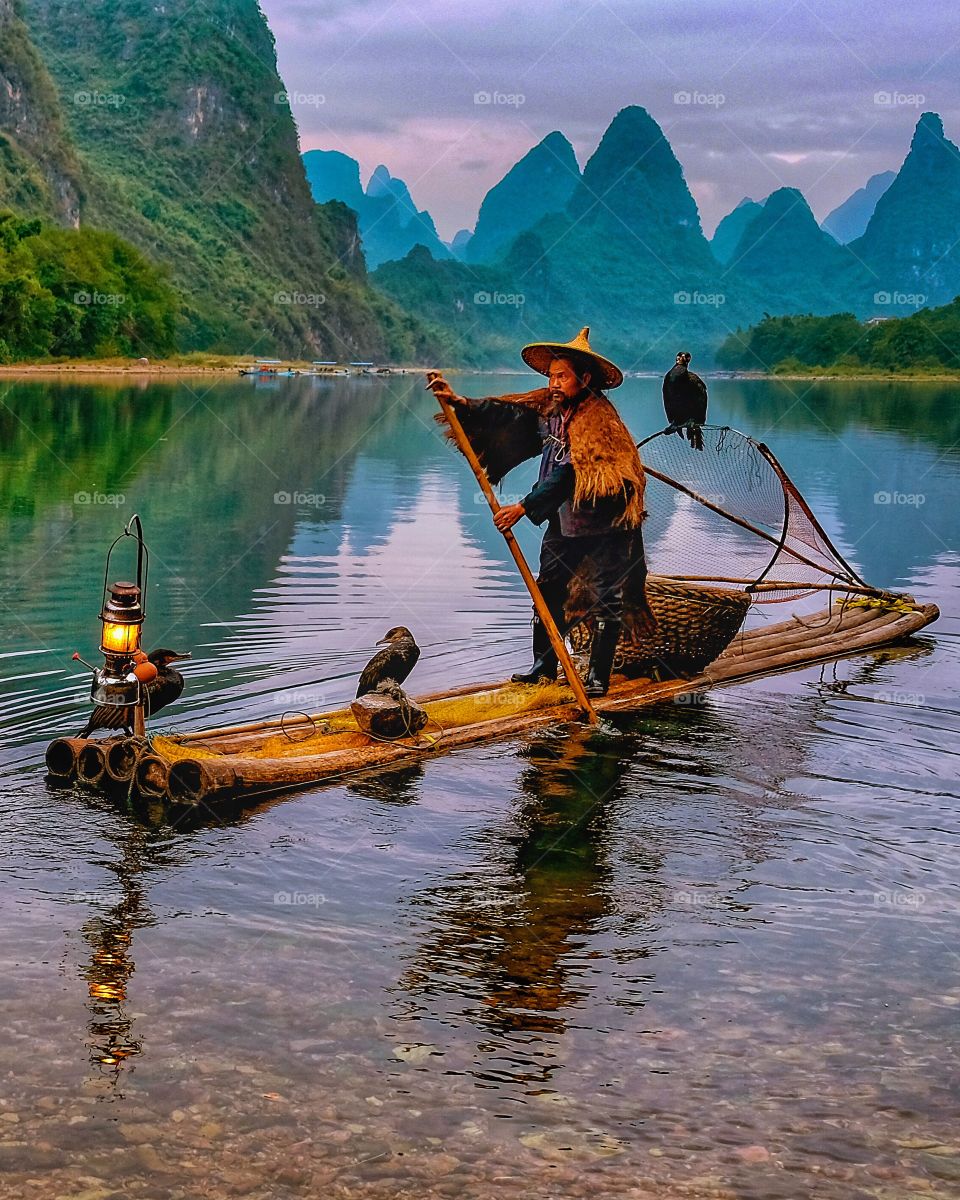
(589, 491)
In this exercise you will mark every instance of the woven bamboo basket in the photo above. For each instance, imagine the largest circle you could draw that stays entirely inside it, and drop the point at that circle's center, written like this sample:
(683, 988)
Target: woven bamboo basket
(695, 624)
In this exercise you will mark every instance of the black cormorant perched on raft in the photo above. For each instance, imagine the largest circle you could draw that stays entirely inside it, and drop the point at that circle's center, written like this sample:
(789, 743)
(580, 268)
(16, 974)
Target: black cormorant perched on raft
(382, 708)
(157, 693)
(391, 664)
(685, 400)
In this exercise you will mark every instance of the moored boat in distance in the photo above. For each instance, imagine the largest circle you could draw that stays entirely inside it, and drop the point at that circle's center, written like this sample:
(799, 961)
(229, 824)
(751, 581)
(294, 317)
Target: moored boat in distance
(369, 368)
(324, 368)
(269, 368)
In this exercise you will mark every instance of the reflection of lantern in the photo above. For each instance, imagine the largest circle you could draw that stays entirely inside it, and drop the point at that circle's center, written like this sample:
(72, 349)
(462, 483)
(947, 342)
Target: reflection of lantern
(115, 683)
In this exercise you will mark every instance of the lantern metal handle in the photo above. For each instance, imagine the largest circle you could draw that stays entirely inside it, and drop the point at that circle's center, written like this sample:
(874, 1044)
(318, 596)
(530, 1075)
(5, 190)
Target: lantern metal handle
(143, 560)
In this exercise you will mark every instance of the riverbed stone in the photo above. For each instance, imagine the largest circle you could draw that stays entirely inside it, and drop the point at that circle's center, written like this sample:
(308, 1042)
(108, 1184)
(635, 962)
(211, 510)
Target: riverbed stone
(138, 1135)
(753, 1154)
(941, 1166)
(412, 1052)
(148, 1158)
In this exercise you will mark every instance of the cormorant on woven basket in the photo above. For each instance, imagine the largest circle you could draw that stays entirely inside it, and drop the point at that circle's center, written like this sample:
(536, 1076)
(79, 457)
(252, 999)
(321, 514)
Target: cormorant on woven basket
(695, 624)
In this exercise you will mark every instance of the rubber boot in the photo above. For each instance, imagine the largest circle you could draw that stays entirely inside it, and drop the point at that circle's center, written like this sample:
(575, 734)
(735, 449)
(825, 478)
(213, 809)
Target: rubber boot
(601, 656)
(544, 657)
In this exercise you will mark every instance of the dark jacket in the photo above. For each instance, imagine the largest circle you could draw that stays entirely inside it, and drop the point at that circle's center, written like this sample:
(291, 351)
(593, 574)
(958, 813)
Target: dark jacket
(551, 498)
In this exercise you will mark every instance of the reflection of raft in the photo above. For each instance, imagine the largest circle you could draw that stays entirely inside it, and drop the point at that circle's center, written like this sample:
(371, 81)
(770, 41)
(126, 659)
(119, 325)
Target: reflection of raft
(218, 765)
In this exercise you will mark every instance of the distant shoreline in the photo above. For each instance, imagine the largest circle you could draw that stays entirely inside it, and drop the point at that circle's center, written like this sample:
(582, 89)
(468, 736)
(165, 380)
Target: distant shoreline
(837, 377)
(818, 376)
(162, 368)
(155, 369)
(174, 368)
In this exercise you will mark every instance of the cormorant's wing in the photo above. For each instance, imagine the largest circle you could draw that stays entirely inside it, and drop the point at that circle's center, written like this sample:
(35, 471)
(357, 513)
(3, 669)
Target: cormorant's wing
(162, 691)
(672, 403)
(699, 405)
(107, 716)
(369, 676)
(410, 661)
(392, 662)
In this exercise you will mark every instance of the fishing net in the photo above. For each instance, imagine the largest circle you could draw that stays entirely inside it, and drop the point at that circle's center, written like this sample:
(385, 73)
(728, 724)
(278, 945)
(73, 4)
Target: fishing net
(729, 514)
(726, 528)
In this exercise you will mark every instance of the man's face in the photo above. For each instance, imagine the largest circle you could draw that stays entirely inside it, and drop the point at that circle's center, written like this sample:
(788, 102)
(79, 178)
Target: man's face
(564, 383)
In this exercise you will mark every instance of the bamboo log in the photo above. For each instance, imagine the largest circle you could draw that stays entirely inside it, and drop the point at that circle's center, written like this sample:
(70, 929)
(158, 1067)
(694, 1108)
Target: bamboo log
(232, 740)
(782, 585)
(121, 759)
(878, 633)
(815, 620)
(61, 757)
(853, 620)
(821, 624)
(91, 763)
(201, 780)
(738, 660)
(227, 738)
(825, 622)
(556, 638)
(193, 781)
(196, 780)
(152, 776)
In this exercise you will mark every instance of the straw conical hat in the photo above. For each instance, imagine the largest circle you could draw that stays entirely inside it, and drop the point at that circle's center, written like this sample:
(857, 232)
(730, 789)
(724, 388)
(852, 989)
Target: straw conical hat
(540, 355)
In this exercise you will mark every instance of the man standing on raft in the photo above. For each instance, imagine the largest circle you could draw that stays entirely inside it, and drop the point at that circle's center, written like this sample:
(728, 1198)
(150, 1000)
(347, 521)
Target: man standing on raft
(589, 491)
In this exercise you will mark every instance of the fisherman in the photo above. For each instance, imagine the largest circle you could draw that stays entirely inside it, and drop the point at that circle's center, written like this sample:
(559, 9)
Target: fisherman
(589, 491)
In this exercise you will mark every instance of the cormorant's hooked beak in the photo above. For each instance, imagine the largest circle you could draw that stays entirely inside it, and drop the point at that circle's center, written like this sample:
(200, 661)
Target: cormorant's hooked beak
(384, 642)
(180, 657)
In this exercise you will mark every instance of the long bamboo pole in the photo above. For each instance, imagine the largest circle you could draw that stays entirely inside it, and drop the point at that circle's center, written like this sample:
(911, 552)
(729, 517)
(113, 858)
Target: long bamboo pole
(556, 639)
(781, 585)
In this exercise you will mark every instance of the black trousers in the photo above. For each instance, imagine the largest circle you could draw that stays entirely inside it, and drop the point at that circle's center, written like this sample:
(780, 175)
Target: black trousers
(606, 560)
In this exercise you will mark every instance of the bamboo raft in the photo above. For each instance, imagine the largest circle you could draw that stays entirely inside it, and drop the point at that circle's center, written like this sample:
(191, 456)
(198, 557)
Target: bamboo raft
(217, 766)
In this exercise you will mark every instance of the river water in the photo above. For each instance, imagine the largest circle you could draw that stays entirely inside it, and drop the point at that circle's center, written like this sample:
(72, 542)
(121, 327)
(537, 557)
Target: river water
(711, 951)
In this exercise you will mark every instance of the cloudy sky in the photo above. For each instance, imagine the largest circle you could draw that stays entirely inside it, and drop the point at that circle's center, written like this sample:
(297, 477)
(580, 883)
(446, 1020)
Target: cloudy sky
(752, 94)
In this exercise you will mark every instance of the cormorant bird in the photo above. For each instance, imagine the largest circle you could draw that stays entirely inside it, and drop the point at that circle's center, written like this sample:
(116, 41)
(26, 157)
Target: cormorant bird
(685, 400)
(157, 693)
(394, 662)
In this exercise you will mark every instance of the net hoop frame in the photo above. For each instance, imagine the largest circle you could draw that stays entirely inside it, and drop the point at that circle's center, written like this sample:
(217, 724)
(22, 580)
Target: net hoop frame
(845, 577)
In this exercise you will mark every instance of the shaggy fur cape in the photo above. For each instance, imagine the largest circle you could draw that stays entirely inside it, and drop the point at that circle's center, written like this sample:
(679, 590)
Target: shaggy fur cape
(604, 458)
